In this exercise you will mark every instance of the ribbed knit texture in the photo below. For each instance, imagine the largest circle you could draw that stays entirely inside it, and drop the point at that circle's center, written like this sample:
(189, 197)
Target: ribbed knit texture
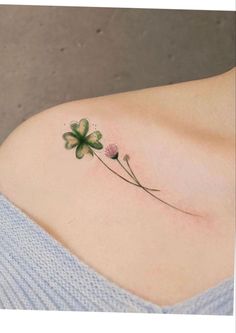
(38, 273)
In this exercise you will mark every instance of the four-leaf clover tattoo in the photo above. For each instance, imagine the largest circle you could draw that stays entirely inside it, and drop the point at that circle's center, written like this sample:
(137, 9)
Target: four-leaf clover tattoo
(87, 144)
(78, 138)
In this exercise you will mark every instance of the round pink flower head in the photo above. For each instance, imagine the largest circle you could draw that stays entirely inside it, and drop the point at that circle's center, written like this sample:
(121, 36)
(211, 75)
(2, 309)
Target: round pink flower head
(111, 151)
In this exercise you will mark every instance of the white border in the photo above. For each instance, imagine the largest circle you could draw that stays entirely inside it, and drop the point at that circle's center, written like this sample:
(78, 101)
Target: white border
(22, 321)
(162, 4)
(55, 321)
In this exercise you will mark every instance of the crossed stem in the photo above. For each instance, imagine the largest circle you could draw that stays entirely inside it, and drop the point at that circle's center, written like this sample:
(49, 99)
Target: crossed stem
(138, 184)
(154, 196)
(132, 175)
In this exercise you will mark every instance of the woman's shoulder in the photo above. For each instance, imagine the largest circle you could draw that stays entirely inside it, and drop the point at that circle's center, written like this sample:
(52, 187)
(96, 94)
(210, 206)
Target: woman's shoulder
(176, 142)
(190, 111)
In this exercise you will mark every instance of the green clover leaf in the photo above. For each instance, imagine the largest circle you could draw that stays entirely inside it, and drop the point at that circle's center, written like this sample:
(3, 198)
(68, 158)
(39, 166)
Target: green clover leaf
(78, 138)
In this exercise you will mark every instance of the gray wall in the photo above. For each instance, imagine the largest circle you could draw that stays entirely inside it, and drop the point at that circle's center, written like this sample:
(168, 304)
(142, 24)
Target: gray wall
(50, 55)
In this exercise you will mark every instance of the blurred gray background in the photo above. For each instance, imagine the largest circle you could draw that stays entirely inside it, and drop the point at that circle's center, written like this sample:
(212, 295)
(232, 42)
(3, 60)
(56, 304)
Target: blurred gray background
(50, 55)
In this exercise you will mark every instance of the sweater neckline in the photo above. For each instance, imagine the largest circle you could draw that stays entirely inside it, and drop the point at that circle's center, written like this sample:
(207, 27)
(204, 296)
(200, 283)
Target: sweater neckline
(67, 257)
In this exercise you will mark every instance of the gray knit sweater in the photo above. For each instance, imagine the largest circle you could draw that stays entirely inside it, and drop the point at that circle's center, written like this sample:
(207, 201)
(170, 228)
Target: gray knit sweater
(38, 273)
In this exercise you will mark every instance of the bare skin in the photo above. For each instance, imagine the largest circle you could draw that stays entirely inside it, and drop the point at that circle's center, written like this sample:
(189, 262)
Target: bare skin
(181, 140)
